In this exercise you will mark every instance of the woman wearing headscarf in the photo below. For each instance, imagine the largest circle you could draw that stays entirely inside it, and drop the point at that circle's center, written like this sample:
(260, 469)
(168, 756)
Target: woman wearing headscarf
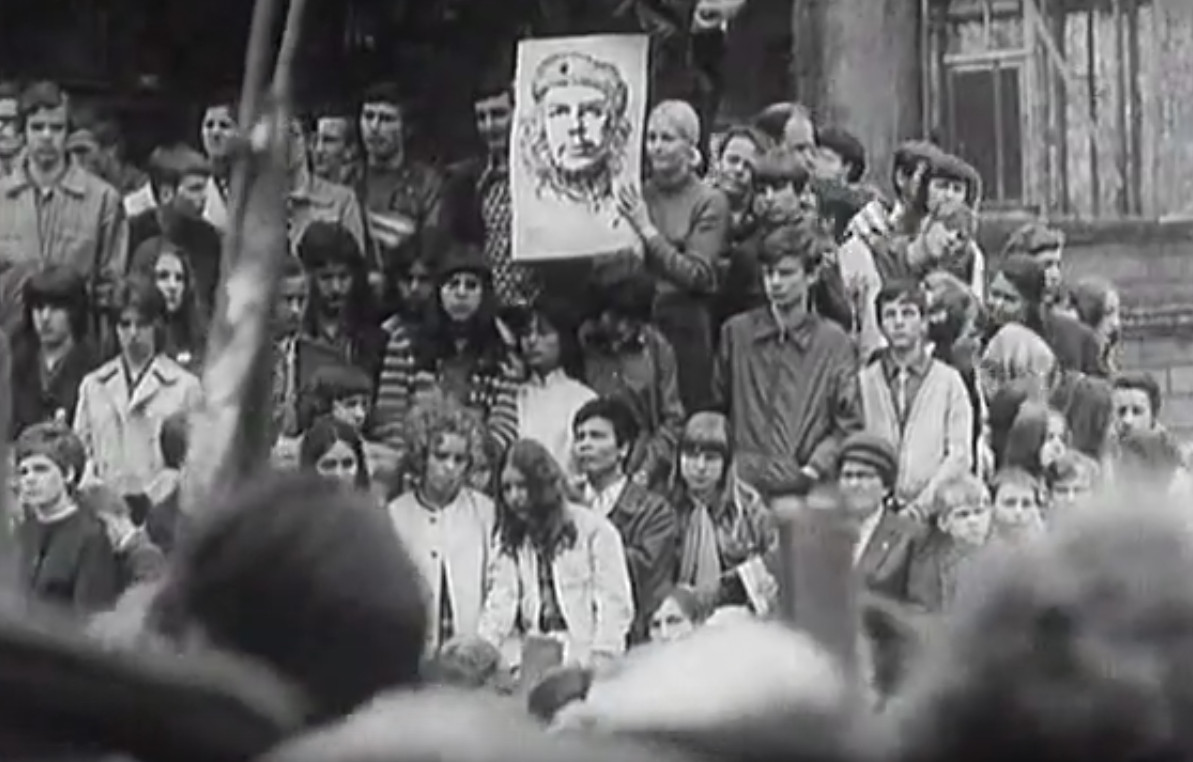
(682, 223)
(723, 522)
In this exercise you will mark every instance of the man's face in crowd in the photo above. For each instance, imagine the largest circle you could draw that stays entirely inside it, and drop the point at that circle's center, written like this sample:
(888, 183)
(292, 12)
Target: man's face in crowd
(786, 282)
(191, 195)
(576, 123)
(135, 333)
(86, 153)
(447, 466)
(1049, 261)
(416, 286)
(596, 449)
(739, 158)
(799, 137)
(494, 117)
(51, 324)
(291, 305)
(11, 139)
(944, 189)
(218, 131)
(831, 165)
(352, 410)
(332, 145)
(296, 149)
(334, 282)
(381, 130)
(903, 324)
(40, 482)
(45, 135)
(1132, 412)
(862, 490)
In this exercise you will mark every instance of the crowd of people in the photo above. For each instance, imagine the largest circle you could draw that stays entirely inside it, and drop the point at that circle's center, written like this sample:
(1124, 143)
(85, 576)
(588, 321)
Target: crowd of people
(576, 457)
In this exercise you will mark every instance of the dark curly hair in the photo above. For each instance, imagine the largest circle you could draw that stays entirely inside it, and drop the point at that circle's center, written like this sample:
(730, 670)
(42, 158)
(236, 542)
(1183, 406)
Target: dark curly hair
(546, 523)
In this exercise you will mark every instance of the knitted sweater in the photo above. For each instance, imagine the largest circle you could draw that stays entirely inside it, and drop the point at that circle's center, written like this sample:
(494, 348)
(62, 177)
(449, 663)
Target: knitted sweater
(934, 445)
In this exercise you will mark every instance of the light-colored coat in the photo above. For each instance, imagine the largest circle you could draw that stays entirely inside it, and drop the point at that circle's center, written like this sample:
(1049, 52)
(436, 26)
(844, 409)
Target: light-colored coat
(935, 444)
(460, 534)
(592, 585)
(120, 429)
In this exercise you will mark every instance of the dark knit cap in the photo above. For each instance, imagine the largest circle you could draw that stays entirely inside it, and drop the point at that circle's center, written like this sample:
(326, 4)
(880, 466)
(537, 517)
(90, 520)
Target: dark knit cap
(871, 450)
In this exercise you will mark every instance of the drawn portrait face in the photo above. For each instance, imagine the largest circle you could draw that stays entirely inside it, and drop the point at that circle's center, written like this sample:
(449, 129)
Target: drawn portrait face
(576, 124)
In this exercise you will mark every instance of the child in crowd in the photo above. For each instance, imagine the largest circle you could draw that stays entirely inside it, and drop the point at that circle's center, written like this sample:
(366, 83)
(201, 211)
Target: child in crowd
(961, 529)
(1018, 499)
(1071, 480)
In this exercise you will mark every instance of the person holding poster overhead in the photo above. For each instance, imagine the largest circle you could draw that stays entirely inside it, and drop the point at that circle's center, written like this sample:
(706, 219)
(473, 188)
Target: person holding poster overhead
(682, 223)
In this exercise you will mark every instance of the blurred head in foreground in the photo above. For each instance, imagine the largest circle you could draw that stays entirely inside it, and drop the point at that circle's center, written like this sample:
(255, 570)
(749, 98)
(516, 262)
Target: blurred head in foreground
(1074, 647)
(306, 576)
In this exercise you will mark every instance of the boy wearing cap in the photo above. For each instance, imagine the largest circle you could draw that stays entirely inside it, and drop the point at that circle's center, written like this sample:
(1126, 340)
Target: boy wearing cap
(65, 554)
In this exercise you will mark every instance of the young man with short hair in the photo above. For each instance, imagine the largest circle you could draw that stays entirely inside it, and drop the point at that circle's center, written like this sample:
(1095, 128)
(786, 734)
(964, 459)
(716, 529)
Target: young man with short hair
(917, 403)
(787, 378)
(55, 212)
(1045, 244)
(603, 431)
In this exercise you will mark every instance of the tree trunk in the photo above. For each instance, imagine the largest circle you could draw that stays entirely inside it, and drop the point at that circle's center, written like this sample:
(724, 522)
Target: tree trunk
(856, 64)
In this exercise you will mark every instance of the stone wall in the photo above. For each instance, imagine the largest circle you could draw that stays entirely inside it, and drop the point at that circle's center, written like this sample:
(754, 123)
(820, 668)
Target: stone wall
(1152, 265)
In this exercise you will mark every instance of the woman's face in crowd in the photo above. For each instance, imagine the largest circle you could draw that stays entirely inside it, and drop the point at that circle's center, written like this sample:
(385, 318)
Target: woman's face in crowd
(447, 465)
(351, 410)
(1055, 440)
(1016, 506)
(541, 347)
(334, 282)
(417, 286)
(218, 130)
(339, 463)
(670, 623)
(861, 488)
(596, 448)
(514, 491)
(942, 190)
(170, 276)
(1132, 411)
(52, 324)
(136, 337)
(40, 482)
(969, 523)
(1111, 326)
(1005, 302)
(666, 150)
(739, 157)
(701, 468)
(461, 295)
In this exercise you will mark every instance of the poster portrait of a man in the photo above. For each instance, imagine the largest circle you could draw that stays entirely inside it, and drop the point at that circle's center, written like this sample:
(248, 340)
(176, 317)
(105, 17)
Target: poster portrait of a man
(580, 109)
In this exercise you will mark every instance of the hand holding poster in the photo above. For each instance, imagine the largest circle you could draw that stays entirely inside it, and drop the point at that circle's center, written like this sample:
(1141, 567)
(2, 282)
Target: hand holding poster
(580, 109)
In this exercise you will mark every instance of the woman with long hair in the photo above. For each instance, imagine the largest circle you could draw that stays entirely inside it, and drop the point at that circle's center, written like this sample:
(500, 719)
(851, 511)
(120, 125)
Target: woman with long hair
(723, 521)
(1099, 307)
(561, 571)
(334, 449)
(170, 269)
(462, 349)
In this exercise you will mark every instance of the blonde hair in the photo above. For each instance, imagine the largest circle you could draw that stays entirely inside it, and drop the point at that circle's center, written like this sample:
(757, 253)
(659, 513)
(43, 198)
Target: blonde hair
(958, 492)
(1017, 352)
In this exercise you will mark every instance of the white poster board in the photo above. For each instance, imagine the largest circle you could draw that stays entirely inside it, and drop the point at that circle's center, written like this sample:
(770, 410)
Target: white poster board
(578, 134)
